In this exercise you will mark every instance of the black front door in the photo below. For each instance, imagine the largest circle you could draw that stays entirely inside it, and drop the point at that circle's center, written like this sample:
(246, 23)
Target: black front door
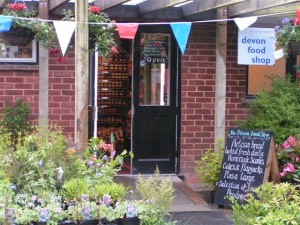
(156, 101)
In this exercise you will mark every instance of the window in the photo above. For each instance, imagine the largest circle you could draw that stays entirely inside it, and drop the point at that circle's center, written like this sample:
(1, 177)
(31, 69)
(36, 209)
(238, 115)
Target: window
(12, 53)
(155, 73)
(258, 76)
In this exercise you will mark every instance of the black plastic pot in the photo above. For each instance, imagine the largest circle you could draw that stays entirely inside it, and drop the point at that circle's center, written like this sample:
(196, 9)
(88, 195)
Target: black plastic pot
(129, 221)
(89, 222)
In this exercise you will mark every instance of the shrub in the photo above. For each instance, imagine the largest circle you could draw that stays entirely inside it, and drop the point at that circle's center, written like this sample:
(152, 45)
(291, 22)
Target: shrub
(274, 205)
(15, 119)
(159, 192)
(276, 109)
(209, 168)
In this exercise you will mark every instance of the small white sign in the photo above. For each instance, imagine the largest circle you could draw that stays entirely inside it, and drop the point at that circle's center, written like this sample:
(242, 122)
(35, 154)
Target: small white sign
(256, 46)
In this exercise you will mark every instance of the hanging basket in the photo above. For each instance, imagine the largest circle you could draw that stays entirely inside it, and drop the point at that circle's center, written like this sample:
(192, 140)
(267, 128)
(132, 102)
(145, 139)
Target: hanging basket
(19, 36)
(295, 47)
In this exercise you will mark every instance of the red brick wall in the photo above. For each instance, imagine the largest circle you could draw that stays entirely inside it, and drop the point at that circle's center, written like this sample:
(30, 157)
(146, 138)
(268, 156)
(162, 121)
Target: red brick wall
(198, 91)
(22, 81)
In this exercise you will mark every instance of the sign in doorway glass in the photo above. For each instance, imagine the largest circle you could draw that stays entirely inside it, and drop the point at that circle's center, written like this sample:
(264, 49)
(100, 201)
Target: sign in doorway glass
(154, 66)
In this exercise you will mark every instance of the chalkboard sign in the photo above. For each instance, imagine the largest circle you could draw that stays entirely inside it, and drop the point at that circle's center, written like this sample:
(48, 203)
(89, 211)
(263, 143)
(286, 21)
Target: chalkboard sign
(247, 160)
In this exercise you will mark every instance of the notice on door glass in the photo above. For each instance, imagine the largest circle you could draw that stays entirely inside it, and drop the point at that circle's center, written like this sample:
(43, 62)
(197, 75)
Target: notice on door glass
(155, 52)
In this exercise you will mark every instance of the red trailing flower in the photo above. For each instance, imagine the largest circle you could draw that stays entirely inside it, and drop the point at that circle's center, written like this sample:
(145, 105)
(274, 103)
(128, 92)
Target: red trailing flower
(60, 59)
(94, 9)
(16, 6)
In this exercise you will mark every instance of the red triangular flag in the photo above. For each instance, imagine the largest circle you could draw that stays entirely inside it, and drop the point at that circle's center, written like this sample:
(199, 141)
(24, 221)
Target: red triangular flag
(127, 30)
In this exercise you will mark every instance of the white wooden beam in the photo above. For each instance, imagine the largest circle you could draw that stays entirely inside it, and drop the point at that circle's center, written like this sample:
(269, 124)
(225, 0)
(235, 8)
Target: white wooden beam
(200, 6)
(220, 80)
(254, 5)
(81, 74)
(43, 75)
(2, 3)
(53, 4)
(154, 5)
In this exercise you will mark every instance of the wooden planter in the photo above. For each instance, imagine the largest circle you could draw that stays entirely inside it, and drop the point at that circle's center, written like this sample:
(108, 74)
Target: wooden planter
(19, 36)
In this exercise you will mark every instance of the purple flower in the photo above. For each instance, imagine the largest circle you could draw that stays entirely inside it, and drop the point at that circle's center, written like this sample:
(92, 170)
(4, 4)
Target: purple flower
(85, 197)
(106, 199)
(33, 198)
(40, 163)
(285, 20)
(105, 158)
(14, 187)
(276, 28)
(113, 153)
(90, 163)
(58, 210)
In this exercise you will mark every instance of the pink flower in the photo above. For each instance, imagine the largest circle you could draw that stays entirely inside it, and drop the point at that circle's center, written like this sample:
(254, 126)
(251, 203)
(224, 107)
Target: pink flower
(289, 142)
(282, 174)
(291, 139)
(286, 144)
(297, 159)
(289, 167)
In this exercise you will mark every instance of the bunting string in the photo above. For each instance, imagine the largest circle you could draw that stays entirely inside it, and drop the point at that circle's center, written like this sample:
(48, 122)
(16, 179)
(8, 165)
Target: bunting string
(180, 30)
(160, 23)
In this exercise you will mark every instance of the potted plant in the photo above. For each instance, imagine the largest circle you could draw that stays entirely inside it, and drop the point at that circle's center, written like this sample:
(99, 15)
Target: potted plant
(101, 30)
(26, 26)
(208, 169)
(289, 160)
(269, 204)
(288, 35)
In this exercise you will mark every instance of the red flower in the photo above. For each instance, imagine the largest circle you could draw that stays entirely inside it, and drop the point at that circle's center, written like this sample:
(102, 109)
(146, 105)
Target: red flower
(54, 51)
(16, 6)
(94, 9)
(60, 59)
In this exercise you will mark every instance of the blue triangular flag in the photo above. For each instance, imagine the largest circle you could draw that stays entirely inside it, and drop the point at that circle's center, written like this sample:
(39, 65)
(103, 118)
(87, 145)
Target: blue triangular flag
(5, 23)
(181, 32)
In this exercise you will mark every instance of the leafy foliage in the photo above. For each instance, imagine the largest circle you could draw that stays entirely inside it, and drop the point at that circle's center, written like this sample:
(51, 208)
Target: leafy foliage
(159, 192)
(276, 109)
(116, 191)
(101, 29)
(15, 119)
(275, 205)
(209, 168)
(286, 34)
(32, 165)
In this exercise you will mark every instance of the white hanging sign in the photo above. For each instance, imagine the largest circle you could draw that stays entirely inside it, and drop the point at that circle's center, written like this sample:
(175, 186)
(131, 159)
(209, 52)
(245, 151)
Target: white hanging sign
(64, 31)
(256, 46)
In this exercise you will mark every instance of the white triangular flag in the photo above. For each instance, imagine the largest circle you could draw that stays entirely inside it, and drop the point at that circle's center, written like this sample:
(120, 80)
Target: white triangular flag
(64, 31)
(243, 23)
(278, 54)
